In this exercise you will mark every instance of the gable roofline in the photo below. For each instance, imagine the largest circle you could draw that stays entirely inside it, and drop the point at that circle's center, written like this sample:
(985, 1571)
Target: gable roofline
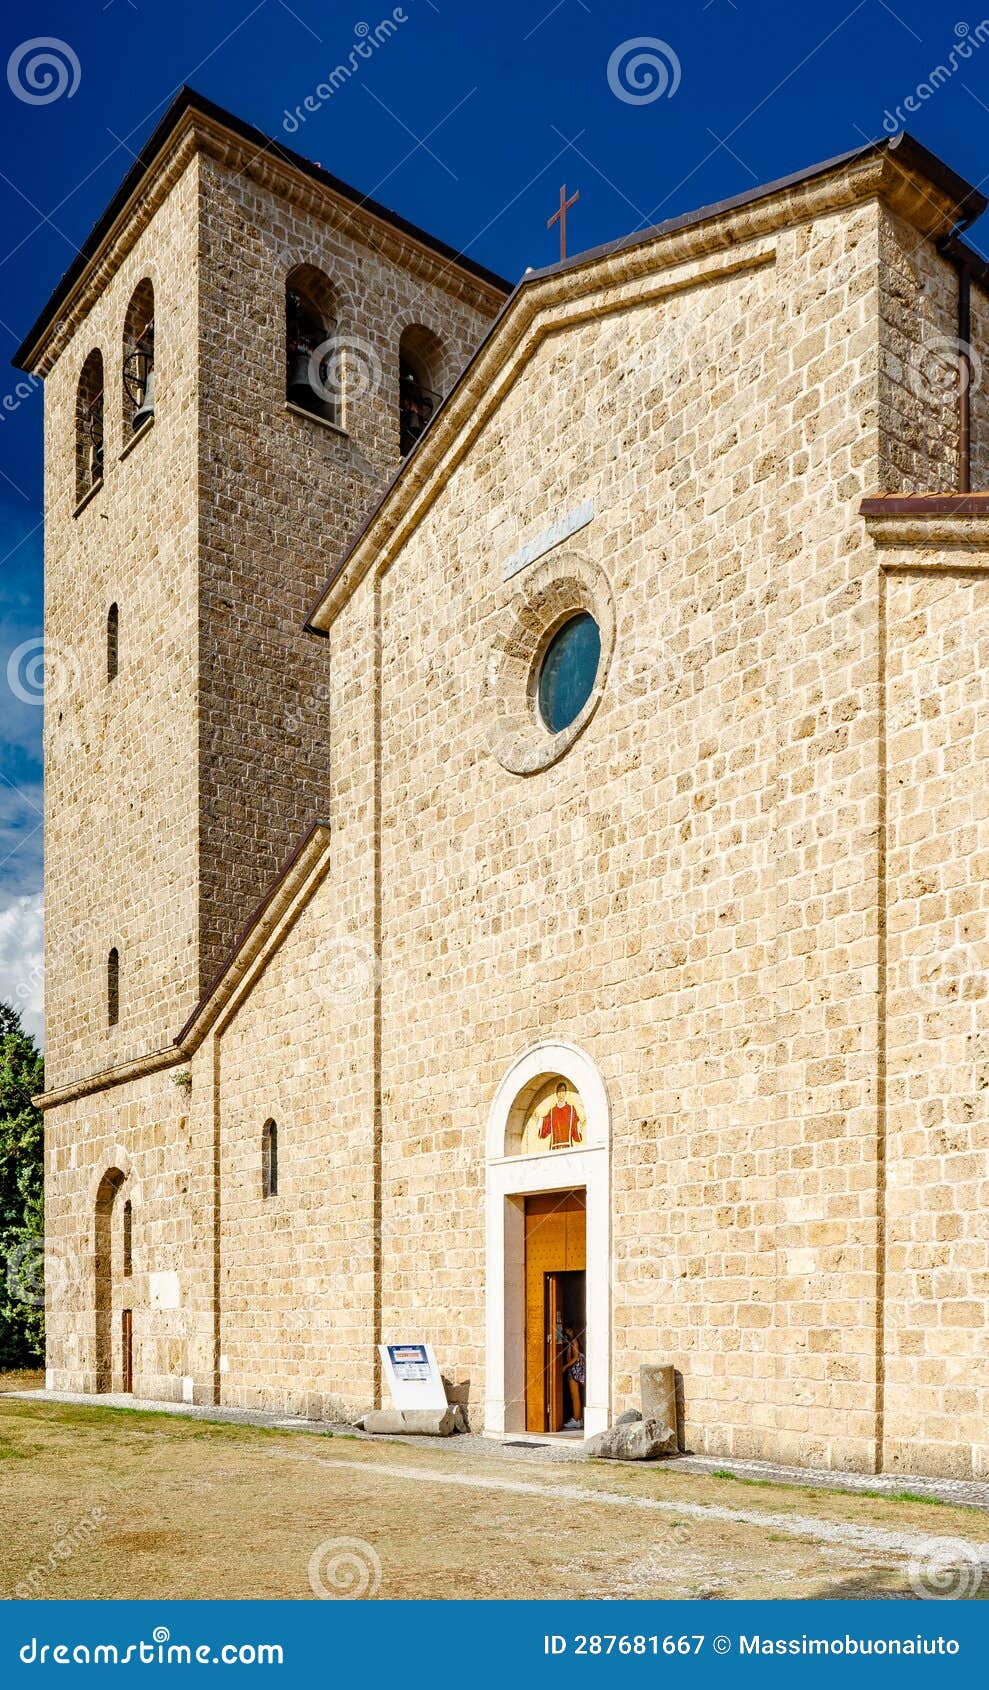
(269, 925)
(185, 108)
(892, 168)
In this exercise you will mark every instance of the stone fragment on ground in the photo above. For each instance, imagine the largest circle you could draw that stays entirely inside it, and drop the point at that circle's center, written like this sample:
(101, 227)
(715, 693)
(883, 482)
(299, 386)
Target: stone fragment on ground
(424, 1422)
(637, 1440)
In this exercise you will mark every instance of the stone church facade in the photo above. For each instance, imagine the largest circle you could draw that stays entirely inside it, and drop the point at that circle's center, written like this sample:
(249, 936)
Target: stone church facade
(334, 914)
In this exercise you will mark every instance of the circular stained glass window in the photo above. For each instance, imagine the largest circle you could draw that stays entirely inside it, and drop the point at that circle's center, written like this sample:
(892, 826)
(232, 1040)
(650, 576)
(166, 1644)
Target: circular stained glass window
(568, 672)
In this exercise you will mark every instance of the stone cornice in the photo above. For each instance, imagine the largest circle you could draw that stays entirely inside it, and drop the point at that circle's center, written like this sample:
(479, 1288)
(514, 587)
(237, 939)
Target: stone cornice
(41, 355)
(260, 938)
(702, 246)
(935, 521)
(271, 922)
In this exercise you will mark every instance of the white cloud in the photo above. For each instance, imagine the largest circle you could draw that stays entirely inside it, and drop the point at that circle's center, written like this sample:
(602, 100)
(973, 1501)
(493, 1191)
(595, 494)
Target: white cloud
(22, 961)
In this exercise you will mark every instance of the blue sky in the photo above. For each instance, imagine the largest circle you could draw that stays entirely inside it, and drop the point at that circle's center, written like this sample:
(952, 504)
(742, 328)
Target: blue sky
(467, 119)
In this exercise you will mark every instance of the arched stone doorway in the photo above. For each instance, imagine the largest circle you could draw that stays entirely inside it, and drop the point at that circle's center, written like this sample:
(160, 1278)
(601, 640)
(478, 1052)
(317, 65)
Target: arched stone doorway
(523, 1167)
(113, 1280)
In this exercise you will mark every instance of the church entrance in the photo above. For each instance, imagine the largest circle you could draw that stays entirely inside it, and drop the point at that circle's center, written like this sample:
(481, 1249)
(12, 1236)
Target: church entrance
(548, 1245)
(555, 1310)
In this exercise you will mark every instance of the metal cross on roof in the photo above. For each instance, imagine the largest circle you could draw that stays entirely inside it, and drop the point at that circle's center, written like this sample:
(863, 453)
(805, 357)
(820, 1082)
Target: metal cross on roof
(561, 217)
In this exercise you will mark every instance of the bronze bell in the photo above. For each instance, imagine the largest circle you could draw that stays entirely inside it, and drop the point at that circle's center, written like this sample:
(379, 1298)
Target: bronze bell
(146, 409)
(299, 389)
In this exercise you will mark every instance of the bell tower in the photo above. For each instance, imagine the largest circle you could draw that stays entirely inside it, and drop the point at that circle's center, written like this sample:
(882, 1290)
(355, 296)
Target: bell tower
(227, 374)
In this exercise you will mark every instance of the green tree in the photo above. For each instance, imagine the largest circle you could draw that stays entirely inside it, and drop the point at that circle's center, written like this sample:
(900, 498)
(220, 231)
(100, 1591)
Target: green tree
(22, 1221)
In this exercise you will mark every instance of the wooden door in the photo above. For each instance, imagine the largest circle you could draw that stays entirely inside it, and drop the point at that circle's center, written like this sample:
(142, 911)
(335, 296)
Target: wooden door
(554, 1244)
(127, 1348)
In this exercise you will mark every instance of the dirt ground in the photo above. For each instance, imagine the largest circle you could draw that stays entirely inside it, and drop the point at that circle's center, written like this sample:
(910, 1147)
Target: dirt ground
(102, 1502)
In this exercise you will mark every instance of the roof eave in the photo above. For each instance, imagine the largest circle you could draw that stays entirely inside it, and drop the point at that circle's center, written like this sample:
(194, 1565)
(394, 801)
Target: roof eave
(893, 165)
(186, 105)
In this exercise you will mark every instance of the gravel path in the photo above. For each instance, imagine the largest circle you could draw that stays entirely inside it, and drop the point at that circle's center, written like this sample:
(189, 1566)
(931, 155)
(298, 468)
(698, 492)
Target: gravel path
(968, 1493)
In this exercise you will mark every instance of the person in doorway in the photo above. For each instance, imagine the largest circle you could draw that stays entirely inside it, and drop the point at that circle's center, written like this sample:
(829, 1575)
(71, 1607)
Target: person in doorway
(561, 1124)
(575, 1374)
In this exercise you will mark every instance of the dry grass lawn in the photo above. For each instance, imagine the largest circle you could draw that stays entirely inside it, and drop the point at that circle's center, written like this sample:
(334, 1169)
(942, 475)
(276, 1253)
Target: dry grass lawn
(152, 1505)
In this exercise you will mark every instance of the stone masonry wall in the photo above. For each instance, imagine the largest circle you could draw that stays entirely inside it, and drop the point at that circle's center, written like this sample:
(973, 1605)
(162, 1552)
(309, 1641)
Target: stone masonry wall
(281, 496)
(157, 1136)
(918, 382)
(121, 840)
(937, 1257)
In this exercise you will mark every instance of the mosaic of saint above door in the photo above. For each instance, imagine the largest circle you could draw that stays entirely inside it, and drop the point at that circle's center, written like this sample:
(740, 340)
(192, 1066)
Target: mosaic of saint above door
(555, 1119)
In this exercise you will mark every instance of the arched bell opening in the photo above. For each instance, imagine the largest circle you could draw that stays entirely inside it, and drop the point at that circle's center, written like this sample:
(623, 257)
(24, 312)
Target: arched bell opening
(313, 366)
(421, 360)
(139, 359)
(89, 425)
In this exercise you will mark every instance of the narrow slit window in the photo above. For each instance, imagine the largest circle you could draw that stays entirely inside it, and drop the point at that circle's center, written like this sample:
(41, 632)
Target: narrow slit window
(128, 1221)
(113, 987)
(112, 642)
(269, 1160)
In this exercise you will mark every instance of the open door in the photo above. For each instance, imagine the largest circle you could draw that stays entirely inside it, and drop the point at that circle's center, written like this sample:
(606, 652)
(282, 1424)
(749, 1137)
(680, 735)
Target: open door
(554, 1299)
(553, 1407)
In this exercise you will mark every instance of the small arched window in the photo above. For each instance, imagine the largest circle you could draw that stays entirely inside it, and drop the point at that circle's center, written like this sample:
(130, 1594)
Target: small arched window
(112, 641)
(269, 1159)
(89, 425)
(313, 365)
(420, 376)
(113, 988)
(139, 358)
(128, 1237)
